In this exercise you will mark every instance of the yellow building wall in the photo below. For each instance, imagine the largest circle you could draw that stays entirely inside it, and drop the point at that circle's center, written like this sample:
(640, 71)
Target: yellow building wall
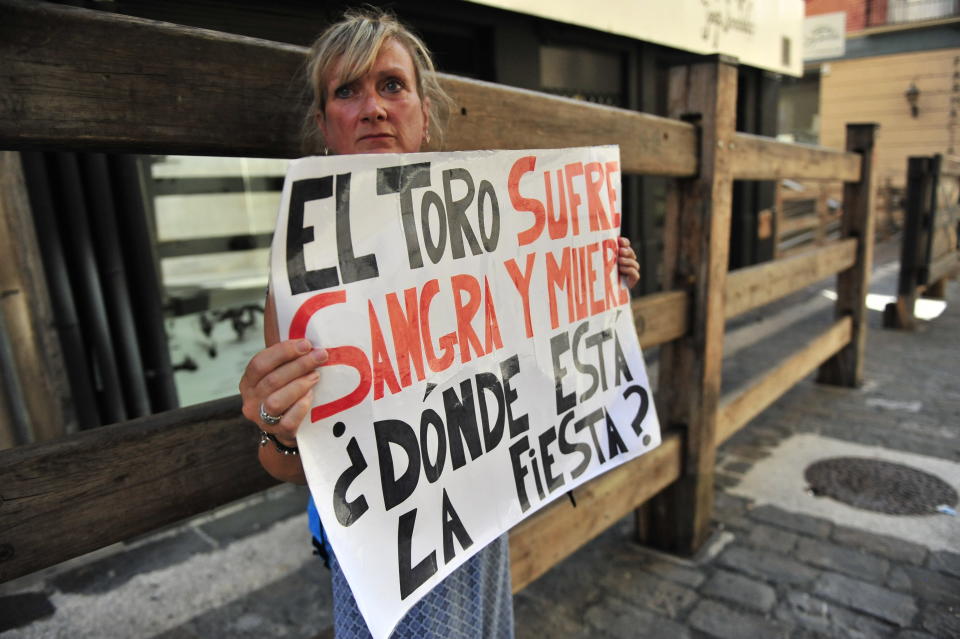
(872, 90)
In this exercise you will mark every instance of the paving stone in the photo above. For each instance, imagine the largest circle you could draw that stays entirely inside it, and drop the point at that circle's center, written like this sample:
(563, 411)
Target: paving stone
(926, 584)
(880, 602)
(945, 561)
(771, 538)
(721, 480)
(767, 565)
(913, 634)
(536, 618)
(846, 560)
(735, 588)
(942, 621)
(647, 590)
(828, 619)
(889, 547)
(738, 467)
(23, 608)
(674, 572)
(617, 618)
(804, 524)
(725, 504)
(717, 620)
(752, 453)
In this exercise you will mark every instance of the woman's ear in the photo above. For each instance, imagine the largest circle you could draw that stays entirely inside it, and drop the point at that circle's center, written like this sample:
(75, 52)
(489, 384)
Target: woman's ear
(321, 123)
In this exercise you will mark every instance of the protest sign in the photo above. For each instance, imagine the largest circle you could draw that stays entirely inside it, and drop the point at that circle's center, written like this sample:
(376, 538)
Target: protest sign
(483, 357)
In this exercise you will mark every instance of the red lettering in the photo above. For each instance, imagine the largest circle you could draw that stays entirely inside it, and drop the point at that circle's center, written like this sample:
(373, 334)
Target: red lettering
(382, 368)
(336, 355)
(446, 342)
(465, 312)
(559, 276)
(611, 273)
(596, 306)
(573, 198)
(491, 334)
(580, 281)
(405, 328)
(556, 226)
(520, 203)
(594, 180)
(611, 168)
(522, 282)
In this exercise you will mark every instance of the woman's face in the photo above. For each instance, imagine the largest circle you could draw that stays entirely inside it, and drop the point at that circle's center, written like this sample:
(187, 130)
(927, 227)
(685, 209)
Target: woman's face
(380, 112)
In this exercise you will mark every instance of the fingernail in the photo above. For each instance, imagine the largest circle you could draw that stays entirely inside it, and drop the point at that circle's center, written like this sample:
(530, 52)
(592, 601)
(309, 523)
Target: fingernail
(320, 355)
(304, 346)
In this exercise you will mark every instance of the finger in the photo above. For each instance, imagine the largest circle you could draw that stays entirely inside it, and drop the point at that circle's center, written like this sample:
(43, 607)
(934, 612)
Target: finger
(290, 371)
(274, 356)
(286, 430)
(624, 241)
(626, 252)
(279, 401)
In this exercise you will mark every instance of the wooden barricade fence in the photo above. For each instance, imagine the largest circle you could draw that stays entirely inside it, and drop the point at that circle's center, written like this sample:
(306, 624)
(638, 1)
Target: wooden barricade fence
(930, 252)
(78, 79)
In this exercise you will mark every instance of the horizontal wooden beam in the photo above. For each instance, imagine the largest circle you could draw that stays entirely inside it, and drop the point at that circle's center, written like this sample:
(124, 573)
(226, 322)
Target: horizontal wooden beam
(69, 497)
(798, 223)
(540, 542)
(90, 80)
(735, 412)
(760, 158)
(492, 116)
(661, 317)
(754, 286)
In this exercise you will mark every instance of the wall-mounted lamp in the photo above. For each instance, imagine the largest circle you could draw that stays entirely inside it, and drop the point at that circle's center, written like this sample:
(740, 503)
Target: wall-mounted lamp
(913, 95)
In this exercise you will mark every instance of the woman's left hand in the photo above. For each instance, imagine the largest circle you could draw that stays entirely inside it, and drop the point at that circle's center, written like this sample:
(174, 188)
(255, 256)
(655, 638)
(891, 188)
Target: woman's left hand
(628, 264)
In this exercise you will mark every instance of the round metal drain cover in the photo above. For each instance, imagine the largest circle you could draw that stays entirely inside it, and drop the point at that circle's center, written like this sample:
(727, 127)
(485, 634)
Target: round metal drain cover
(880, 486)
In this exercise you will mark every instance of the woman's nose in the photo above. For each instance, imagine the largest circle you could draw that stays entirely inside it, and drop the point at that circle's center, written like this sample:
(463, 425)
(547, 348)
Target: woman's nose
(373, 107)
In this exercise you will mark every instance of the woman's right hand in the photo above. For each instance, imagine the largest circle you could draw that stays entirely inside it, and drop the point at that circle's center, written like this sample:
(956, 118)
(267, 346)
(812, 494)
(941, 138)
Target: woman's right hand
(280, 378)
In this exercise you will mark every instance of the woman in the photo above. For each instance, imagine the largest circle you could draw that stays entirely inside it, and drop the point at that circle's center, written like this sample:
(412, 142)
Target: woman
(375, 91)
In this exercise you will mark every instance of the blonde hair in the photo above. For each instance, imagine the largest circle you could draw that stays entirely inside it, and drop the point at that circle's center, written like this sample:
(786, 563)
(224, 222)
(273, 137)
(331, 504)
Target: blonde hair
(354, 42)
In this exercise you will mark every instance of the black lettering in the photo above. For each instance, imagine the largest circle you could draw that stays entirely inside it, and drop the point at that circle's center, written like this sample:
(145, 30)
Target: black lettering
(348, 512)
(642, 409)
(596, 340)
(436, 249)
(302, 280)
(456, 213)
(567, 447)
(486, 192)
(588, 422)
(352, 269)
(397, 489)
(432, 469)
(411, 578)
(508, 369)
(546, 438)
(560, 344)
(488, 382)
(452, 527)
(404, 179)
(615, 444)
(520, 471)
(461, 424)
(587, 369)
(620, 362)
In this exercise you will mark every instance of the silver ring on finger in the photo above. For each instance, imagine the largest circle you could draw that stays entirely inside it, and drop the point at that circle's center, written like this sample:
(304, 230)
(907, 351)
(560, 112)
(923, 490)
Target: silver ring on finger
(267, 418)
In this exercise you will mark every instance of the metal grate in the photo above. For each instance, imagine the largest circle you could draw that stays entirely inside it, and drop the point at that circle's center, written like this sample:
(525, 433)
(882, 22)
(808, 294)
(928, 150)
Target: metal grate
(879, 486)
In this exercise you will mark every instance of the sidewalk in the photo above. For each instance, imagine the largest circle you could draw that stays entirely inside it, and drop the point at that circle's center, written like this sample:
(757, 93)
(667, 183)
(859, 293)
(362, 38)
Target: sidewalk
(782, 562)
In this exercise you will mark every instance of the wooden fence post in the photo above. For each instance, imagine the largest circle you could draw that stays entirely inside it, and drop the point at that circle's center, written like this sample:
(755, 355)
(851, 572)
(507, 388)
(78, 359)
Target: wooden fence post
(846, 367)
(28, 320)
(697, 241)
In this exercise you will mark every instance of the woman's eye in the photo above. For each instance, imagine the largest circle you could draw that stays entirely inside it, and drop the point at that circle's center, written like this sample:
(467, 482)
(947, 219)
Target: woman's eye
(393, 85)
(343, 92)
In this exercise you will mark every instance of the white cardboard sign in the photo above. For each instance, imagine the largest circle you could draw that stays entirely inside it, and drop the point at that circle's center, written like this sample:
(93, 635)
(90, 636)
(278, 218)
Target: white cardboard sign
(483, 356)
